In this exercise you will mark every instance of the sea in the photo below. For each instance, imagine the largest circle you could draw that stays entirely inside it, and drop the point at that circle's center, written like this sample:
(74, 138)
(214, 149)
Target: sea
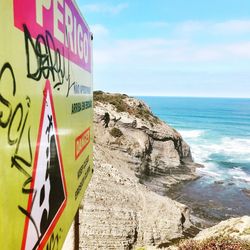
(218, 132)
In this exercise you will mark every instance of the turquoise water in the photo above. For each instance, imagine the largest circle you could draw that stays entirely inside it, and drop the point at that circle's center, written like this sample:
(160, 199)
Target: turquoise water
(218, 132)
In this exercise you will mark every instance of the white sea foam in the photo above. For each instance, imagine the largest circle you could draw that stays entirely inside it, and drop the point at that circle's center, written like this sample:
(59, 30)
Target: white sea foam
(234, 146)
(209, 171)
(239, 174)
(233, 150)
(190, 134)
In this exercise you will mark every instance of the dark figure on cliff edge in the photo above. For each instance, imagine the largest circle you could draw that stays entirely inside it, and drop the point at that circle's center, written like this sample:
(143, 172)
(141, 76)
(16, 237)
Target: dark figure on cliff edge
(106, 119)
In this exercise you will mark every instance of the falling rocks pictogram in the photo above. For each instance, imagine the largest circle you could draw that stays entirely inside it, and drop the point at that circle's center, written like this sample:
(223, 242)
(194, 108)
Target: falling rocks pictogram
(48, 199)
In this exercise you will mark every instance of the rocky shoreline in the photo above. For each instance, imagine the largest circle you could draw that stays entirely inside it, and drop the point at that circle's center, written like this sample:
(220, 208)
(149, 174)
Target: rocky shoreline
(155, 151)
(211, 202)
(138, 160)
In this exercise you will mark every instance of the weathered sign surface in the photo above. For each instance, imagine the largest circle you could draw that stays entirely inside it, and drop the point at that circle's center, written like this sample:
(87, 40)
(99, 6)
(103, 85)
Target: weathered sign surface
(46, 114)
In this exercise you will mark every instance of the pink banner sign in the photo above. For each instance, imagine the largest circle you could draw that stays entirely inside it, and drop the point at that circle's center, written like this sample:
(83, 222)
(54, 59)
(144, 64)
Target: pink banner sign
(59, 24)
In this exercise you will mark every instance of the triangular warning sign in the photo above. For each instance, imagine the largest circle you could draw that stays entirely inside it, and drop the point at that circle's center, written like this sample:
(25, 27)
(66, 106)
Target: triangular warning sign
(48, 198)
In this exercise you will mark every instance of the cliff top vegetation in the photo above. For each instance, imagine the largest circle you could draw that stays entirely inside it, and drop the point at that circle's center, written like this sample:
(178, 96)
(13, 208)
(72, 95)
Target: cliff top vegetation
(121, 103)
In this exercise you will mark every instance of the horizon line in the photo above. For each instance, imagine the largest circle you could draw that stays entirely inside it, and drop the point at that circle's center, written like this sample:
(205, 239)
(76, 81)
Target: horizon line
(187, 96)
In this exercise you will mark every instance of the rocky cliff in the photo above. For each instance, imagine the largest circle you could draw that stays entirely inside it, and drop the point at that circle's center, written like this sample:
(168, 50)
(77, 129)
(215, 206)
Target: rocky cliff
(137, 157)
(232, 234)
(156, 152)
(235, 227)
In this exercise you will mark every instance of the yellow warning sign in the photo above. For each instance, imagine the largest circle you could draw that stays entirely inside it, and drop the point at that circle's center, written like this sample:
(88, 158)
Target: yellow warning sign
(46, 112)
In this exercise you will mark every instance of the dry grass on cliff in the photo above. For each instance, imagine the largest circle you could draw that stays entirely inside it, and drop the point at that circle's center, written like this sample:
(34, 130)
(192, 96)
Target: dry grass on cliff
(118, 100)
(115, 99)
(215, 243)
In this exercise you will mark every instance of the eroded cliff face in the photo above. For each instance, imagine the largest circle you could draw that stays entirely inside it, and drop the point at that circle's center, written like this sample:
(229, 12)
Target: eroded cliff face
(156, 152)
(133, 148)
(120, 213)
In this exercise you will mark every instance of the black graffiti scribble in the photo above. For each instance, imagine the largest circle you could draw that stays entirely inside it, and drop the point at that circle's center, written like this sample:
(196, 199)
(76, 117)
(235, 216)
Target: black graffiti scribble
(7, 68)
(53, 243)
(47, 66)
(28, 214)
(14, 120)
(14, 114)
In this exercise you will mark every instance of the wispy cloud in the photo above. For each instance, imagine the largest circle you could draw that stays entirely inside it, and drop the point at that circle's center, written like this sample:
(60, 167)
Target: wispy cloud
(241, 50)
(233, 26)
(156, 52)
(229, 27)
(191, 26)
(171, 58)
(136, 52)
(105, 8)
(158, 24)
(99, 30)
(161, 51)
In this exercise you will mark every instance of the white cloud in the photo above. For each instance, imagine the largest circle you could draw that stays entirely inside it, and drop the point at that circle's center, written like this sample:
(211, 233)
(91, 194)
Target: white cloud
(233, 26)
(229, 27)
(158, 53)
(127, 63)
(104, 8)
(99, 30)
(158, 24)
(139, 52)
(191, 26)
(240, 50)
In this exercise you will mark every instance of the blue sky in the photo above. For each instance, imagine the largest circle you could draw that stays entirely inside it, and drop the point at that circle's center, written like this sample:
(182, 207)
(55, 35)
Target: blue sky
(171, 47)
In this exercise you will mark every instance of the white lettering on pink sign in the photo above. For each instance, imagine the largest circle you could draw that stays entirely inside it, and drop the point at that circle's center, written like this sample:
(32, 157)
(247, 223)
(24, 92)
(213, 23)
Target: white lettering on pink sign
(62, 19)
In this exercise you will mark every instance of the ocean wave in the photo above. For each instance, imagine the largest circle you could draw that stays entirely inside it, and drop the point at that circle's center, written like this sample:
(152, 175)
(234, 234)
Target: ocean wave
(216, 173)
(236, 146)
(191, 134)
(231, 149)
(240, 174)
(225, 159)
(210, 169)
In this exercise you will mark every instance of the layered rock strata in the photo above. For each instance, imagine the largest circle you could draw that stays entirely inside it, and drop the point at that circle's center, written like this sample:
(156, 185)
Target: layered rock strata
(155, 151)
(137, 157)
